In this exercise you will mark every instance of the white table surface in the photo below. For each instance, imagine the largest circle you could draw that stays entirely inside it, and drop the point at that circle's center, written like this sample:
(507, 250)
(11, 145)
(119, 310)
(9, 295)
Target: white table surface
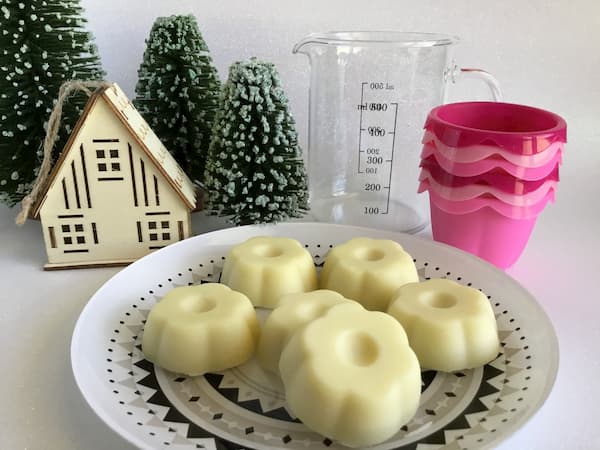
(43, 409)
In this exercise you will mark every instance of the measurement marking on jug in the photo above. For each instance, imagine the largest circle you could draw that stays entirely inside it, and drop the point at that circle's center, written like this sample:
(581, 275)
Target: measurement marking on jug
(377, 139)
(360, 126)
(380, 85)
(387, 209)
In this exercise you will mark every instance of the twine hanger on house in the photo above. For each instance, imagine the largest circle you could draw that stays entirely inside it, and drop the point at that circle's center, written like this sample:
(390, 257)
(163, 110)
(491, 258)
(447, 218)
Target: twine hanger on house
(67, 89)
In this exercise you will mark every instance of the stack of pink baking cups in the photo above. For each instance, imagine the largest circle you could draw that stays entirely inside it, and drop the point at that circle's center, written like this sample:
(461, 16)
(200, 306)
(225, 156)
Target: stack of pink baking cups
(490, 169)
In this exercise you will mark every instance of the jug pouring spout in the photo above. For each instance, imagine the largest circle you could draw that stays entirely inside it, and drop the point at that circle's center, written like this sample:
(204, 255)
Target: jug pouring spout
(315, 43)
(311, 43)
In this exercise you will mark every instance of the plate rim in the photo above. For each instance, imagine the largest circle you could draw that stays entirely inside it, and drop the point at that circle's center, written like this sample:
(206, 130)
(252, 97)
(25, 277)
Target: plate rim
(247, 230)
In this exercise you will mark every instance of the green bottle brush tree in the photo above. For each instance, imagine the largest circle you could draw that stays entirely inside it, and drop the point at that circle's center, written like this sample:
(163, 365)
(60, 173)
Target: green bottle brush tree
(178, 91)
(43, 43)
(255, 172)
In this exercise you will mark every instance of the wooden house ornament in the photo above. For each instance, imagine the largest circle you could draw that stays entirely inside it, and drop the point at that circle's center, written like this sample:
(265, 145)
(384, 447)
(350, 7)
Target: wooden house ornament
(115, 193)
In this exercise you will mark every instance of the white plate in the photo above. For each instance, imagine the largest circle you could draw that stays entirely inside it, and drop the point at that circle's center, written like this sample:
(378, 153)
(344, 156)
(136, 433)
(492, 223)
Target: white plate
(245, 408)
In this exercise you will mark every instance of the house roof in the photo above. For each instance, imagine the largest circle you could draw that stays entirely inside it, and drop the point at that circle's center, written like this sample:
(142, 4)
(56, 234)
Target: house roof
(141, 132)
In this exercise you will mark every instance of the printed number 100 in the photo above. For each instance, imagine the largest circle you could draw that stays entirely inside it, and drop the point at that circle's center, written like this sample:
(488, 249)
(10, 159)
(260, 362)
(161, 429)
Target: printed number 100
(371, 210)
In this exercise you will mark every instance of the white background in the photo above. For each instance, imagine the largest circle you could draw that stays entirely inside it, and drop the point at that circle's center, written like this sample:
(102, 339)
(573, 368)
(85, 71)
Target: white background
(545, 54)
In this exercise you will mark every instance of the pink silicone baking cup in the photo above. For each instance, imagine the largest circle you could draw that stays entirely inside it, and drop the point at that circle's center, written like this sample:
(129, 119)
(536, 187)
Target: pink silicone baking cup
(499, 180)
(488, 165)
(498, 239)
(476, 153)
(474, 204)
(519, 129)
(463, 193)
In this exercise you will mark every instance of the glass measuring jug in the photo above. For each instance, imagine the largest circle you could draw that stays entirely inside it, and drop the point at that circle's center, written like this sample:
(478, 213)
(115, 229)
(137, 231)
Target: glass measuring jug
(370, 92)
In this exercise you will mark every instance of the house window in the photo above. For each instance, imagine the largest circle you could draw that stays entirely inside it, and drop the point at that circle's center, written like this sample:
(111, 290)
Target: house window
(73, 234)
(74, 237)
(159, 231)
(108, 161)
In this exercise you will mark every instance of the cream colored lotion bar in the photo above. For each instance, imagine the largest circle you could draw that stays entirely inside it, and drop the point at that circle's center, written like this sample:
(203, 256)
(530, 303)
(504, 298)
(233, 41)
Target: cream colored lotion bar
(265, 268)
(199, 329)
(368, 271)
(351, 376)
(449, 326)
(294, 311)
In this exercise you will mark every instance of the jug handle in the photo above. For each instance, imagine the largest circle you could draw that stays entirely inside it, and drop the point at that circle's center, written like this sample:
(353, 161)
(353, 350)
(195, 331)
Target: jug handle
(468, 72)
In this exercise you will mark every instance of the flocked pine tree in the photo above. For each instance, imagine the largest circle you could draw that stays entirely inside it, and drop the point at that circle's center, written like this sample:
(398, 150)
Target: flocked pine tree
(178, 90)
(255, 172)
(43, 43)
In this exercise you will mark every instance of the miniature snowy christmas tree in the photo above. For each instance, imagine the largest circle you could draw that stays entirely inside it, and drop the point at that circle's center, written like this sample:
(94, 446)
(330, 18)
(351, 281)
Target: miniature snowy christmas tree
(43, 43)
(255, 172)
(178, 90)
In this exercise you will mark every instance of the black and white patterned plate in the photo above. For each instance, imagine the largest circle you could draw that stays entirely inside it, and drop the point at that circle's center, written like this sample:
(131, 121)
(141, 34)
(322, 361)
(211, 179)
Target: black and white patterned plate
(244, 408)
